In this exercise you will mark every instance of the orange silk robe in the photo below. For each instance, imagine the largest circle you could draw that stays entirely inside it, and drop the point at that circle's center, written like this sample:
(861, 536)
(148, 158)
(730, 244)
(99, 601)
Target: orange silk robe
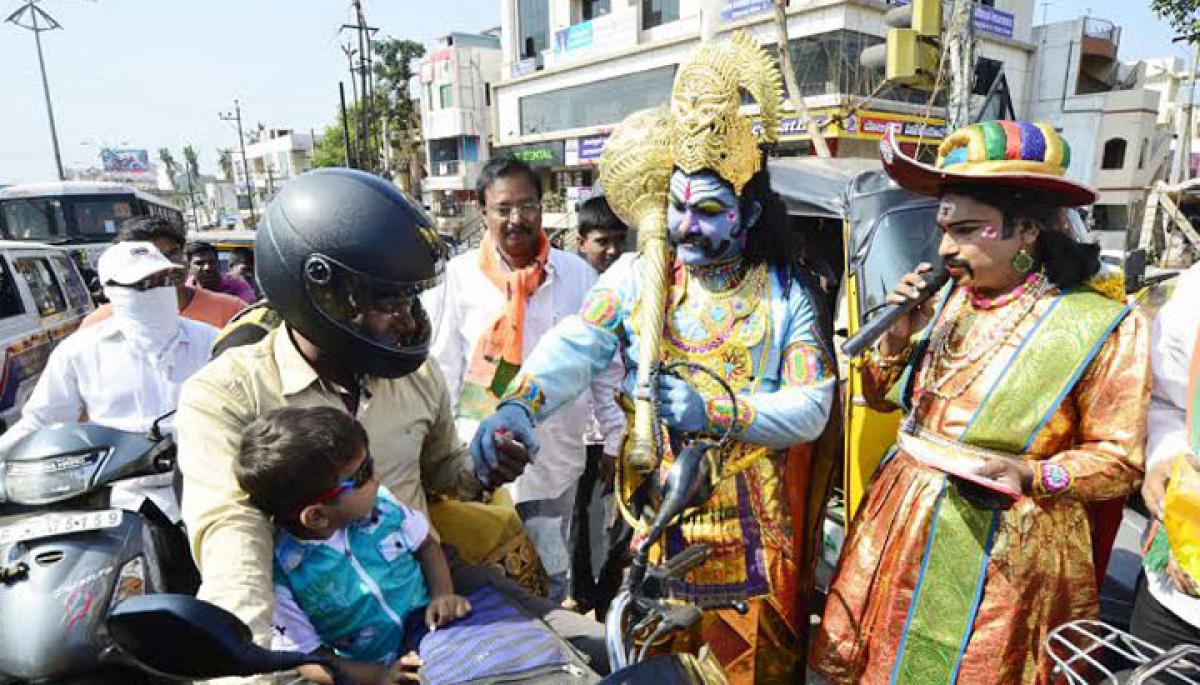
(1040, 573)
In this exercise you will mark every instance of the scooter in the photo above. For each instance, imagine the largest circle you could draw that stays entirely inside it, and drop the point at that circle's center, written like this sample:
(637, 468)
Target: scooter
(67, 556)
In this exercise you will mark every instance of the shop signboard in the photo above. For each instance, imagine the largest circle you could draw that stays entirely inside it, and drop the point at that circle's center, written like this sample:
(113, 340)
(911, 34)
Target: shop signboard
(548, 154)
(574, 37)
(993, 21)
(735, 10)
(987, 19)
(864, 125)
(524, 67)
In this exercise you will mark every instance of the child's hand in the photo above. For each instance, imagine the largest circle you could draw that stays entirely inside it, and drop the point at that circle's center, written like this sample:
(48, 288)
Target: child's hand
(445, 608)
(405, 669)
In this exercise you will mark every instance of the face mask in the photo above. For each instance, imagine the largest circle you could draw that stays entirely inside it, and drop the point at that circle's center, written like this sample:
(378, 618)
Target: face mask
(149, 317)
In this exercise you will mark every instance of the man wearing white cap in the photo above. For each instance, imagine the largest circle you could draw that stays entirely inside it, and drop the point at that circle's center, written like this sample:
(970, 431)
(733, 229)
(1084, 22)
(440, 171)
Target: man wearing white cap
(125, 371)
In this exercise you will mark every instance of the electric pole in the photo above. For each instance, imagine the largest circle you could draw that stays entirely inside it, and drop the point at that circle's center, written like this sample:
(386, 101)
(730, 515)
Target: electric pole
(366, 162)
(27, 17)
(960, 44)
(345, 125)
(237, 116)
(350, 52)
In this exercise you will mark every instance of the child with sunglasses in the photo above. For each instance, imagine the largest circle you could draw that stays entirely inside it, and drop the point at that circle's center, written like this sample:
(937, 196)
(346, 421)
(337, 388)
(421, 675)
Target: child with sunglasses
(356, 573)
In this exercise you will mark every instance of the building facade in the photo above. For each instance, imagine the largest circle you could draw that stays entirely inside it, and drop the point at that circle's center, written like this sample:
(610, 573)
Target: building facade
(277, 155)
(456, 79)
(572, 69)
(1118, 117)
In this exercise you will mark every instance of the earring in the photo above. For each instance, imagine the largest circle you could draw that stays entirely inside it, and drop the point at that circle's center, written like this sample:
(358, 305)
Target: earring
(1022, 261)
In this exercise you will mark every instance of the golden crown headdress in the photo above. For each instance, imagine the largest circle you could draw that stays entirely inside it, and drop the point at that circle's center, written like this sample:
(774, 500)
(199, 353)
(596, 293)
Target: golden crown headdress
(710, 131)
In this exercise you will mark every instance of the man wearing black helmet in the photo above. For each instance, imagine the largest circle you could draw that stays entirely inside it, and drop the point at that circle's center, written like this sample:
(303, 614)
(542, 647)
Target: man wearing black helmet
(341, 256)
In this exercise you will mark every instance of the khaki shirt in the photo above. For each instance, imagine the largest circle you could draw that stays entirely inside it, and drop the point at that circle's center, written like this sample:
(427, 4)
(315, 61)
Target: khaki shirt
(408, 420)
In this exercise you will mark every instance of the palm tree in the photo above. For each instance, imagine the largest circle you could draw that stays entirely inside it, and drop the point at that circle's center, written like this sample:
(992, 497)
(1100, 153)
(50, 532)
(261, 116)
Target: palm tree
(192, 163)
(169, 163)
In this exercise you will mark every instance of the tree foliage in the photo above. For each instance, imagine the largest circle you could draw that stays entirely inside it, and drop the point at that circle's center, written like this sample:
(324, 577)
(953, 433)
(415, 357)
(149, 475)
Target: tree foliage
(168, 161)
(331, 149)
(1183, 15)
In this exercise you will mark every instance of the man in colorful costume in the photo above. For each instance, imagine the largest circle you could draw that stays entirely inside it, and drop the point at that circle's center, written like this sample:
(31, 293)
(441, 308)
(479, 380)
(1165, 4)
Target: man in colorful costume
(736, 306)
(1167, 609)
(1026, 374)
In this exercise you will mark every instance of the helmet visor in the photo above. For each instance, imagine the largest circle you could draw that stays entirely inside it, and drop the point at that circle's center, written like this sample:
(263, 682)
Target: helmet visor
(387, 314)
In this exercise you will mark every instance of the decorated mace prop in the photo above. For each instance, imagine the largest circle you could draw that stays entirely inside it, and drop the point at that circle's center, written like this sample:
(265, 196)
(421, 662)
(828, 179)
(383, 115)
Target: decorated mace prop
(635, 171)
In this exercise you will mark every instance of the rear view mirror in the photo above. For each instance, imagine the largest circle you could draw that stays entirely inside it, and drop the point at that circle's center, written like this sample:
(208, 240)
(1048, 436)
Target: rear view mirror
(183, 637)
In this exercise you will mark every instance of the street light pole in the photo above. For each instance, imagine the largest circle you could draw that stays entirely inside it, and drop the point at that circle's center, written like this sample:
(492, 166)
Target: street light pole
(237, 116)
(31, 12)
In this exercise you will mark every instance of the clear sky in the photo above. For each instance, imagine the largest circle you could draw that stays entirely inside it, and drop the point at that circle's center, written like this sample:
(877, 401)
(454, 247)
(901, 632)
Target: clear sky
(155, 73)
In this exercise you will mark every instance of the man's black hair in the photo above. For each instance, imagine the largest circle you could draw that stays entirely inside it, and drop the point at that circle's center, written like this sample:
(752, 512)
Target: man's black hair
(596, 215)
(771, 239)
(148, 228)
(504, 167)
(199, 247)
(1068, 262)
(290, 456)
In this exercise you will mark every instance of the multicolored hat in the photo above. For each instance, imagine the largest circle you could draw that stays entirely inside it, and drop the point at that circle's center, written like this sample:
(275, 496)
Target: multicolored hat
(1014, 154)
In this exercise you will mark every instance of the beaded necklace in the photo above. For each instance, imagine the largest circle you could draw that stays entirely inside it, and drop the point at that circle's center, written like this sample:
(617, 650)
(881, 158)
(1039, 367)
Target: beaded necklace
(946, 362)
(1030, 281)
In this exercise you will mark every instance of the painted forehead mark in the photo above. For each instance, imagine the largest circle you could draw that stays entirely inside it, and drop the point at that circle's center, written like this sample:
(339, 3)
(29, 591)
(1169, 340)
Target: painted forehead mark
(945, 210)
(687, 191)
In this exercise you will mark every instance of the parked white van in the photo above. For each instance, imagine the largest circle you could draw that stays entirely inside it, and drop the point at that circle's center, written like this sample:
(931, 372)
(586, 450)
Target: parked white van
(42, 300)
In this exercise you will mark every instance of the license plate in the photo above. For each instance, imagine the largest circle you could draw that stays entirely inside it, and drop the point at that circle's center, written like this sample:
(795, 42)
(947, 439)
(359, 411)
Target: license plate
(49, 525)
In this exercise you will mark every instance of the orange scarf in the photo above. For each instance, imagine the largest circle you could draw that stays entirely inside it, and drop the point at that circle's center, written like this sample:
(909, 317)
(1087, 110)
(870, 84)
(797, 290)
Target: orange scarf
(498, 354)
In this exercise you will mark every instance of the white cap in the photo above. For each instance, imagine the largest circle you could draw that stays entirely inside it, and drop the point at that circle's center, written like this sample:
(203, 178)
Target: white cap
(129, 262)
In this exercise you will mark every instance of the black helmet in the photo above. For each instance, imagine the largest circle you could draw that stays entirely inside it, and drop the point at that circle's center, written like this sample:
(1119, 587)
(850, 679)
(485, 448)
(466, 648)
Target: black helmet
(336, 244)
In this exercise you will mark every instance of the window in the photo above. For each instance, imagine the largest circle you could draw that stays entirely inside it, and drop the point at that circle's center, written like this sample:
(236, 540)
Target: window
(47, 296)
(10, 297)
(487, 95)
(1114, 154)
(827, 63)
(443, 149)
(100, 216)
(445, 97)
(68, 275)
(533, 22)
(593, 104)
(596, 8)
(902, 239)
(1142, 153)
(33, 219)
(659, 12)
(429, 96)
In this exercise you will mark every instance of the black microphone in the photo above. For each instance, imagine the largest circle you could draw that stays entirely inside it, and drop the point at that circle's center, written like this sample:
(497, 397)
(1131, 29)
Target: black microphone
(890, 314)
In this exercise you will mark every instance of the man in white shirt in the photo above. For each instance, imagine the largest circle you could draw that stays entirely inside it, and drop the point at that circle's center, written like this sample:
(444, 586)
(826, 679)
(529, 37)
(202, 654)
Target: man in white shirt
(499, 300)
(1167, 609)
(125, 371)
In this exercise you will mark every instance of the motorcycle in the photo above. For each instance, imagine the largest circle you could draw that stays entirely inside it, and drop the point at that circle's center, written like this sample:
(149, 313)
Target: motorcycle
(185, 638)
(67, 556)
(1087, 652)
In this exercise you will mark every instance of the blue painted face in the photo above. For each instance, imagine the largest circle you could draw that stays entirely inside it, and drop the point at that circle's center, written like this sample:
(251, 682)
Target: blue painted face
(704, 219)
